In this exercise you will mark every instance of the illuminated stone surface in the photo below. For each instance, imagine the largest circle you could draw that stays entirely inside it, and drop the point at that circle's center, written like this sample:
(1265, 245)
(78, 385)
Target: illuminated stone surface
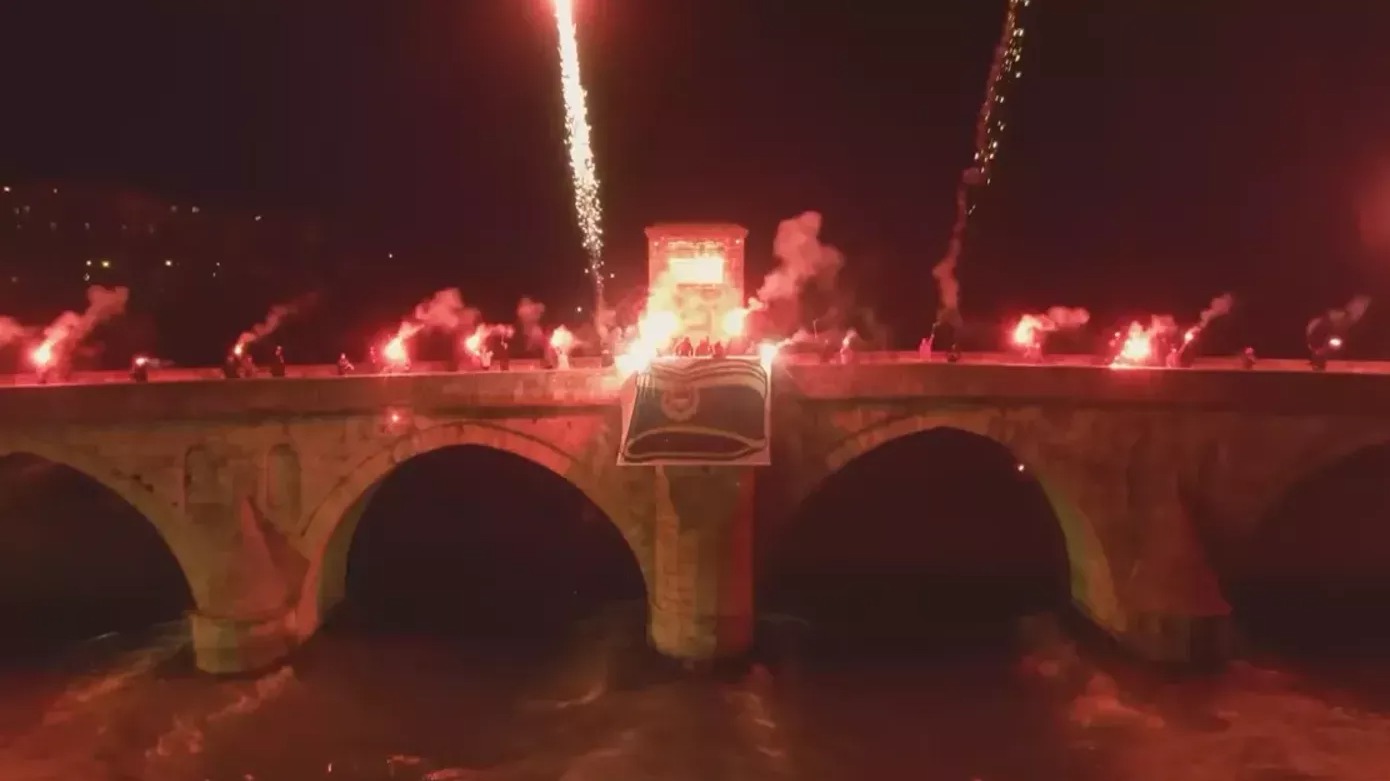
(256, 486)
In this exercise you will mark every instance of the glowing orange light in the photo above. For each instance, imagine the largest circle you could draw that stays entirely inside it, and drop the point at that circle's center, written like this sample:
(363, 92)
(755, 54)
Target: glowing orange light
(141, 360)
(735, 321)
(42, 355)
(1137, 348)
(1028, 330)
(703, 269)
(395, 351)
(767, 353)
(561, 339)
(473, 343)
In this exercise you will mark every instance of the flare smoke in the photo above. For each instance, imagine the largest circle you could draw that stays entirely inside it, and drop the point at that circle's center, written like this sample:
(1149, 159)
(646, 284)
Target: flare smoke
(1064, 318)
(801, 257)
(528, 315)
(1219, 307)
(444, 311)
(1339, 320)
(10, 330)
(103, 303)
(275, 318)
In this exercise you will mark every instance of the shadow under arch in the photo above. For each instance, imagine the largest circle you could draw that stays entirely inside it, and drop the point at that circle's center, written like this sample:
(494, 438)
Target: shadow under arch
(1313, 573)
(83, 559)
(1089, 582)
(333, 526)
(160, 512)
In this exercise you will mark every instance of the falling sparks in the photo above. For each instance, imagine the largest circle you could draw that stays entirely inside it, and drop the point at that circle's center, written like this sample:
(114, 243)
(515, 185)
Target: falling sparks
(989, 130)
(588, 210)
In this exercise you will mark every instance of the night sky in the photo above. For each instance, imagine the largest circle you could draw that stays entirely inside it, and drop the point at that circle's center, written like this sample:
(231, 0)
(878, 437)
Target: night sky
(1156, 155)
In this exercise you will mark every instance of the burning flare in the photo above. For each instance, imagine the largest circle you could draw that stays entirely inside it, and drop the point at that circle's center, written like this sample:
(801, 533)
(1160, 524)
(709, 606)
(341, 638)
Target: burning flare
(1327, 332)
(562, 342)
(272, 322)
(1031, 331)
(444, 311)
(1185, 353)
(70, 328)
(1139, 346)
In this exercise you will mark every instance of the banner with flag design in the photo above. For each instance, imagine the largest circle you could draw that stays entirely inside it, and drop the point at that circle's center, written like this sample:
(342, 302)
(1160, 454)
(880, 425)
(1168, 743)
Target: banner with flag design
(698, 411)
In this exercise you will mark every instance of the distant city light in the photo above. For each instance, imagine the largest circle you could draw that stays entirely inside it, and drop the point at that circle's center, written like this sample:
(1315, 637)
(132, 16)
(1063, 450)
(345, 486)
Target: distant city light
(168, 263)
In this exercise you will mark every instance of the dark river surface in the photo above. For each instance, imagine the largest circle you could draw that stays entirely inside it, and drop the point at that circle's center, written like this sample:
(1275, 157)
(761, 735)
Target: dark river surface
(483, 641)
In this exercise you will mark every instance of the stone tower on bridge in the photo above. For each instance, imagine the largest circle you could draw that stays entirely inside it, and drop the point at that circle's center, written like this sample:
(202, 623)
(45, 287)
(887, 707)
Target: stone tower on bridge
(699, 266)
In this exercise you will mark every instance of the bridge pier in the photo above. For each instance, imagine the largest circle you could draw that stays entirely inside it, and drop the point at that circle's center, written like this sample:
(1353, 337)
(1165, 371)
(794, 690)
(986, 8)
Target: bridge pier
(225, 646)
(702, 597)
(245, 617)
(1175, 607)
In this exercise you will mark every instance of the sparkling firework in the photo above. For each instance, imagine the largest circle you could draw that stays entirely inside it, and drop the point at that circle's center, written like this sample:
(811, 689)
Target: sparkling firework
(587, 207)
(989, 129)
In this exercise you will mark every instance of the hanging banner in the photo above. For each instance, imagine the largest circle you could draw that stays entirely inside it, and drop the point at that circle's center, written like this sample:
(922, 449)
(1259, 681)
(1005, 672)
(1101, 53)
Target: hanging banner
(697, 411)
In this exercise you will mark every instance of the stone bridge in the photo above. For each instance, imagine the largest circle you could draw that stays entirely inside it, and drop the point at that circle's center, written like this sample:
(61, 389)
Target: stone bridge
(256, 486)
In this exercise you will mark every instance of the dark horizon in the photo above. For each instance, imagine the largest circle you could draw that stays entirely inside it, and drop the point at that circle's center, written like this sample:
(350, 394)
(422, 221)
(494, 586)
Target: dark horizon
(1154, 158)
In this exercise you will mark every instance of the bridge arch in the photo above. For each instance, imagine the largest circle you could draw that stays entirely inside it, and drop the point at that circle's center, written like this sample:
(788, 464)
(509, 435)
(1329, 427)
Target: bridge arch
(1310, 569)
(1322, 455)
(329, 530)
(162, 513)
(1092, 583)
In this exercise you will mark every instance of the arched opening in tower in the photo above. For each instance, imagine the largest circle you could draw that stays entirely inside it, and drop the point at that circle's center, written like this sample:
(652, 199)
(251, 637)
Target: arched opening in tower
(78, 563)
(1314, 576)
(475, 544)
(935, 536)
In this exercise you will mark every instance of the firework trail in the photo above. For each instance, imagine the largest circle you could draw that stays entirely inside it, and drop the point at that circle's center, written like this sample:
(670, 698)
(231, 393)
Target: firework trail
(989, 129)
(587, 207)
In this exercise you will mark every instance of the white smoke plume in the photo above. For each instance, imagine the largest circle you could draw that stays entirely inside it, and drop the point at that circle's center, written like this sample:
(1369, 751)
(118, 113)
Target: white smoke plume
(1219, 307)
(1030, 330)
(11, 331)
(1340, 320)
(801, 258)
(103, 303)
(274, 319)
(444, 311)
(1064, 318)
(1162, 325)
(529, 314)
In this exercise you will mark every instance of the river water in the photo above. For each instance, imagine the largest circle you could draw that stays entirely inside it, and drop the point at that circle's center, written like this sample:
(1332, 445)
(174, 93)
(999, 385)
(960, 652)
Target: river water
(1023, 702)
